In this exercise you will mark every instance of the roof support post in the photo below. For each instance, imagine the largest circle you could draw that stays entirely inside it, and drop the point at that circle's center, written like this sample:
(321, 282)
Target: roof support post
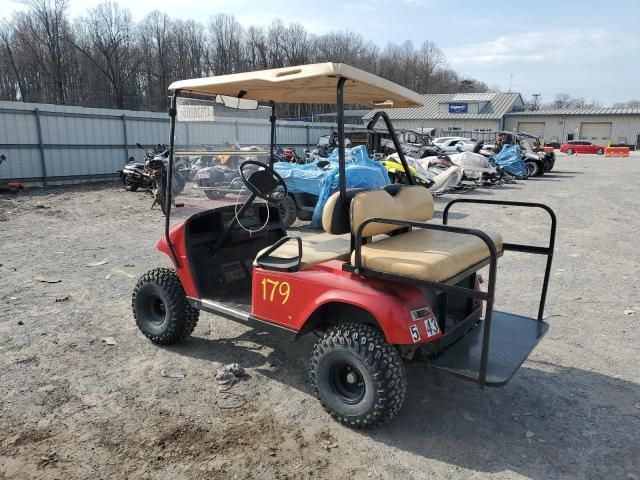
(169, 183)
(272, 143)
(341, 153)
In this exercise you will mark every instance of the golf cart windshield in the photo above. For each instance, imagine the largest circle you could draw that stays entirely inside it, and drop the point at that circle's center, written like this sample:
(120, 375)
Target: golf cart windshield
(209, 141)
(213, 136)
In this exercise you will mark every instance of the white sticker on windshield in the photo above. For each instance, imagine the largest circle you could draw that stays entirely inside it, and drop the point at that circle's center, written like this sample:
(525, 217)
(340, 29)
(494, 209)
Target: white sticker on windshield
(195, 113)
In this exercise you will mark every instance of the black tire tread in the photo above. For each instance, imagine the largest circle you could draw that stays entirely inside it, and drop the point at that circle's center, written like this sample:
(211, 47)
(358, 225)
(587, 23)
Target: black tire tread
(184, 317)
(288, 206)
(369, 344)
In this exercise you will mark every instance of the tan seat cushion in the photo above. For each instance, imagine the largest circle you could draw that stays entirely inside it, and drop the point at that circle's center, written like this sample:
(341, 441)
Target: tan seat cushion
(430, 255)
(411, 202)
(314, 252)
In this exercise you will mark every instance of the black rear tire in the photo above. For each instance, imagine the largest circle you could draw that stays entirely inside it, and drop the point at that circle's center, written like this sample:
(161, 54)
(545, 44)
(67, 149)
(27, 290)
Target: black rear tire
(358, 377)
(161, 309)
(129, 186)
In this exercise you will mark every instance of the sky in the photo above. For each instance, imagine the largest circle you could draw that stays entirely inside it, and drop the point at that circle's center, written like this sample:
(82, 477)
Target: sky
(586, 48)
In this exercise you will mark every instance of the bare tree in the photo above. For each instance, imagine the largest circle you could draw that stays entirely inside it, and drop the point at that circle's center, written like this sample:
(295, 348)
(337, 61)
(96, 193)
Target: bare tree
(226, 44)
(11, 62)
(156, 42)
(44, 28)
(108, 60)
(106, 39)
(430, 61)
(629, 104)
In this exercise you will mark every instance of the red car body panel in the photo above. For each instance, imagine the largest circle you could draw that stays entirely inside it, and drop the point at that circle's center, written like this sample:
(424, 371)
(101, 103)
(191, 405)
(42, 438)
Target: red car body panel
(307, 290)
(176, 234)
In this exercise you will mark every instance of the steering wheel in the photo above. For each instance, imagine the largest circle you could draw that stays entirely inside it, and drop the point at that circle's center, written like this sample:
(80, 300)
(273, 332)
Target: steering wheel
(263, 182)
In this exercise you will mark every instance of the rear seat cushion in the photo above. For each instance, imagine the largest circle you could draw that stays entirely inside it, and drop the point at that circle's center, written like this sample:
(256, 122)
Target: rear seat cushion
(411, 202)
(430, 255)
(314, 252)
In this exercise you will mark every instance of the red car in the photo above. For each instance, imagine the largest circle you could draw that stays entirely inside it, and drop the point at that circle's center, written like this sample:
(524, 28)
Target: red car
(581, 146)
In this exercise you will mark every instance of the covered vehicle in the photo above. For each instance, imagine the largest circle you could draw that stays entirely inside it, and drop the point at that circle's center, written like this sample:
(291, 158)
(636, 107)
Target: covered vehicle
(510, 160)
(311, 184)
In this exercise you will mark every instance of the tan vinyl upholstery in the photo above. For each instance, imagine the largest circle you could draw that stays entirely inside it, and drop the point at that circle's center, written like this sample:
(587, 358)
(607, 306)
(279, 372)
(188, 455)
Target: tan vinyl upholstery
(328, 213)
(413, 203)
(314, 251)
(430, 255)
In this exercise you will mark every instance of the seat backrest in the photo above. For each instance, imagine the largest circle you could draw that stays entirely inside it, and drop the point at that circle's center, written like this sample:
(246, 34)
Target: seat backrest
(396, 202)
(335, 215)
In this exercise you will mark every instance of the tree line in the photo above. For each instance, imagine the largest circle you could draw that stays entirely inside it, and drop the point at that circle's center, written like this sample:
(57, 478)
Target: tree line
(106, 59)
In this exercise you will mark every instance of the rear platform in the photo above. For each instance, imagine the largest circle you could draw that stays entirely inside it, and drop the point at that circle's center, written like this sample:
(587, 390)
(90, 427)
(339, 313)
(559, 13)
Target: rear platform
(511, 340)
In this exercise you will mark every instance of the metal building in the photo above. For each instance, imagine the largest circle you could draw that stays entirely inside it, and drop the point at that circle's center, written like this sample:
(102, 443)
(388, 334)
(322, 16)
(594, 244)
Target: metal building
(464, 114)
(620, 126)
(480, 115)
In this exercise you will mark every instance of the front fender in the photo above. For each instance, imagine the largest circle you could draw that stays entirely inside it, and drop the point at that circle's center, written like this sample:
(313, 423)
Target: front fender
(177, 237)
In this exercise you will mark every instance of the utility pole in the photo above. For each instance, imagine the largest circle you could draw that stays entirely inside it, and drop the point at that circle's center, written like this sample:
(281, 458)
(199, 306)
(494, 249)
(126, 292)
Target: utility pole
(535, 100)
(510, 80)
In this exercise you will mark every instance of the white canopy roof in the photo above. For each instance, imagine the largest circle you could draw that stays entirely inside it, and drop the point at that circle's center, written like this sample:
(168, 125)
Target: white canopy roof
(314, 83)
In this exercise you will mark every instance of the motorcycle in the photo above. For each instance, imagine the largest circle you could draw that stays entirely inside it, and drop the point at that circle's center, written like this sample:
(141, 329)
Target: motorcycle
(151, 175)
(136, 175)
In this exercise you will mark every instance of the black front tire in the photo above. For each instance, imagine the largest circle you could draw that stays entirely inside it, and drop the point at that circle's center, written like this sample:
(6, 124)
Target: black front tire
(536, 169)
(569, 151)
(600, 151)
(288, 210)
(214, 194)
(358, 377)
(161, 309)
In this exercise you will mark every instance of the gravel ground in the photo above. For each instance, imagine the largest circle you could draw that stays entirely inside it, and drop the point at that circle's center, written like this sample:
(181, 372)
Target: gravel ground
(74, 407)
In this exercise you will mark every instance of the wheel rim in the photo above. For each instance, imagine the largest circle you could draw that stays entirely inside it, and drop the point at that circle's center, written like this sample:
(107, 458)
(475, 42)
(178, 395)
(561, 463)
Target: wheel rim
(347, 382)
(153, 309)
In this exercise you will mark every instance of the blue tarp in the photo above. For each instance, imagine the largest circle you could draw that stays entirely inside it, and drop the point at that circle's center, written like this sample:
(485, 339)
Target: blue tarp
(361, 171)
(510, 160)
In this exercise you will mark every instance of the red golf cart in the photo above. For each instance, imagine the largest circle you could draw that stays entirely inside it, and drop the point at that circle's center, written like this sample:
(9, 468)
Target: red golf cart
(383, 285)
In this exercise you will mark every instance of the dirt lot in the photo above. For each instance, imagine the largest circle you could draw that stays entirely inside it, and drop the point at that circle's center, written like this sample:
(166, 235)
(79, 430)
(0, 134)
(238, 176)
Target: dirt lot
(74, 407)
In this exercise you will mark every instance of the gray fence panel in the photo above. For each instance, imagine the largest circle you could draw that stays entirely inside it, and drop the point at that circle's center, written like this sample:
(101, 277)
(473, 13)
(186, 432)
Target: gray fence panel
(79, 143)
(18, 128)
(27, 167)
(57, 130)
(147, 131)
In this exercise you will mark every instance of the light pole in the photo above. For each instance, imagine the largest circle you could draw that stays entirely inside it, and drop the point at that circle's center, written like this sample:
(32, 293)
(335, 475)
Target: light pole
(535, 100)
